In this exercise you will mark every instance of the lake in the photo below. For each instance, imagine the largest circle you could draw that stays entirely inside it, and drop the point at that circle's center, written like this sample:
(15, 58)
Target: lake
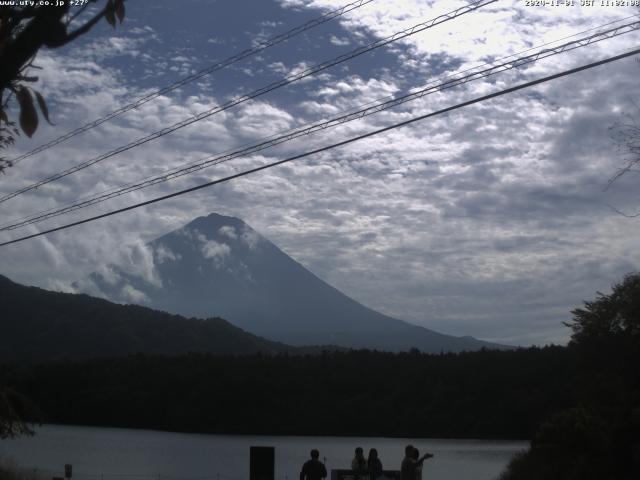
(123, 454)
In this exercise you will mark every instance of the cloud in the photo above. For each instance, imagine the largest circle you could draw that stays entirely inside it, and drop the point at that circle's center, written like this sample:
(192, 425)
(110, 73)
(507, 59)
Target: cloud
(491, 221)
(250, 238)
(339, 41)
(163, 254)
(138, 260)
(213, 250)
(260, 119)
(228, 231)
(131, 294)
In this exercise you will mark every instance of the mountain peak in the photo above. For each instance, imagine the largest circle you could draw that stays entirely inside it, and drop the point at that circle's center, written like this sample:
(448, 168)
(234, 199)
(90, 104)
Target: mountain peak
(215, 233)
(219, 266)
(213, 222)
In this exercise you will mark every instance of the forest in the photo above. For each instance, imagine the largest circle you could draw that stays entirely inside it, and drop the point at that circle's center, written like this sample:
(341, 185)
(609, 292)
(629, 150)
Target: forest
(578, 404)
(487, 394)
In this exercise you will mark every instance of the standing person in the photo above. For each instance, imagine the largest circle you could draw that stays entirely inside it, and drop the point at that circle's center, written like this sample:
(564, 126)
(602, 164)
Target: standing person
(416, 457)
(313, 469)
(374, 465)
(359, 463)
(410, 464)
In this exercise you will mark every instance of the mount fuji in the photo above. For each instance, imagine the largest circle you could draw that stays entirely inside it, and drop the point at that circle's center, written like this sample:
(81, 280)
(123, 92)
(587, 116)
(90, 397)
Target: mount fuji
(219, 266)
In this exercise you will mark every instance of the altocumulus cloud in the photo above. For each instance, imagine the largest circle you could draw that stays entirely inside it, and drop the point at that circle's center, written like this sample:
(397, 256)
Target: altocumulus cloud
(492, 221)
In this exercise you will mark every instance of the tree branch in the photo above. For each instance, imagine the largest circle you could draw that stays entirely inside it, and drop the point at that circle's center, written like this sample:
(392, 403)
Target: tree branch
(80, 11)
(619, 212)
(87, 26)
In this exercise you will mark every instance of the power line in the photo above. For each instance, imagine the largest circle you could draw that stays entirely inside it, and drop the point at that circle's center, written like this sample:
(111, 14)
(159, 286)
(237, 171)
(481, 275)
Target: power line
(261, 91)
(283, 82)
(309, 129)
(195, 76)
(335, 145)
(117, 191)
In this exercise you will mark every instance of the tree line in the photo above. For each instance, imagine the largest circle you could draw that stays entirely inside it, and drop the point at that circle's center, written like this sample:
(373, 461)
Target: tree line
(486, 394)
(579, 404)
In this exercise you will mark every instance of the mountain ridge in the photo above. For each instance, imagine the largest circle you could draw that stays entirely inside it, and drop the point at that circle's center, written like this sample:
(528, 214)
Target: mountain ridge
(41, 325)
(219, 266)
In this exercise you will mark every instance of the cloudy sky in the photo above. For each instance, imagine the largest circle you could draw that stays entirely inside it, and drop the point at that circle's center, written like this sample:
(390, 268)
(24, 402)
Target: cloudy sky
(492, 221)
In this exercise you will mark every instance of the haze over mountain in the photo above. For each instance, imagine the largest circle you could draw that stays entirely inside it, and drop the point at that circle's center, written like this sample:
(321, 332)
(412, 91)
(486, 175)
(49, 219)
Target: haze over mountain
(219, 266)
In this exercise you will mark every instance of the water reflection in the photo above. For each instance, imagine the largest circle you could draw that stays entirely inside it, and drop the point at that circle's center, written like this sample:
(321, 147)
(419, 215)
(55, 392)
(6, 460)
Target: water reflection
(122, 454)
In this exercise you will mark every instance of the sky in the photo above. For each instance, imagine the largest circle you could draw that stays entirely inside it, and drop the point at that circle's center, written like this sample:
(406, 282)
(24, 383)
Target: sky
(495, 220)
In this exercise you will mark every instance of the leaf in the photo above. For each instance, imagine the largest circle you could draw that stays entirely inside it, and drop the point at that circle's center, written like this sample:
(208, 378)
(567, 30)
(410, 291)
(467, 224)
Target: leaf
(43, 107)
(3, 116)
(119, 8)
(28, 114)
(109, 14)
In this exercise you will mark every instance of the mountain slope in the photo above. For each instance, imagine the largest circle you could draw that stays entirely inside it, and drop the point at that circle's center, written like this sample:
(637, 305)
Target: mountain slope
(39, 325)
(218, 265)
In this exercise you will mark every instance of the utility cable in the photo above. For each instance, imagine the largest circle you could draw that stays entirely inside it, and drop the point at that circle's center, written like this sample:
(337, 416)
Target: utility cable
(116, 190)
(261, 91)
(332, 146)
(196, 76)
(309, 129)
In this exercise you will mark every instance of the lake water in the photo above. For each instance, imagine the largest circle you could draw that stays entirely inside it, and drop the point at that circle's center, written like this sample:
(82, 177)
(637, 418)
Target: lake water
(122, 454)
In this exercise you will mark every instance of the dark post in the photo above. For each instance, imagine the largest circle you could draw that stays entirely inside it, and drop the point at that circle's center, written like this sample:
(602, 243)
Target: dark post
(261, 463)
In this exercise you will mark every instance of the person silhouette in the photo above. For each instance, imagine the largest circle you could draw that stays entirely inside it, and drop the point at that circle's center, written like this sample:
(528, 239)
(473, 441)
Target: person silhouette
(416, 456)
(313, 469)
(359, 463)
(374, 465)
(410, 463)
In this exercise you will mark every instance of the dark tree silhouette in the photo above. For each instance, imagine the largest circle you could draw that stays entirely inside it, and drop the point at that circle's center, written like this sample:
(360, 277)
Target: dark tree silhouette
(600, 436)
(24, 30)
(609, 316)
(17, 413)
